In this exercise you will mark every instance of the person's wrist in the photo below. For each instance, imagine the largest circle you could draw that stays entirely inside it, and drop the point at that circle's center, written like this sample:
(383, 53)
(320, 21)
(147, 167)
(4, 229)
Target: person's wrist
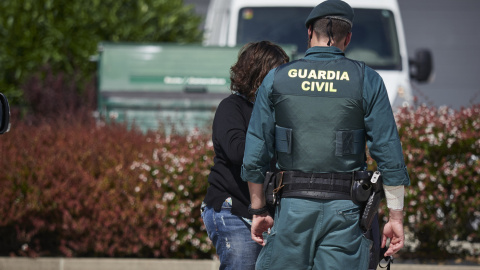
(261, 215)
(395, 215)
(257, 211)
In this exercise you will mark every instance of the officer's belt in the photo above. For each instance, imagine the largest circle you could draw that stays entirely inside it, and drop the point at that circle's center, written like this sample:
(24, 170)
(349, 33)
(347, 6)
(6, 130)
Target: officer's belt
(327, 186)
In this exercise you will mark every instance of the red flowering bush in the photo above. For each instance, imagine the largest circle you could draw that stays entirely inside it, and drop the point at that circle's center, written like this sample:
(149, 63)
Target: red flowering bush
(442, 207)
(88, 190)
(177, 171)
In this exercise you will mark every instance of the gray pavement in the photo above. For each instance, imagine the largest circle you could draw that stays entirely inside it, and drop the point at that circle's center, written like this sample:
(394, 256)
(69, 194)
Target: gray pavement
(7, 263)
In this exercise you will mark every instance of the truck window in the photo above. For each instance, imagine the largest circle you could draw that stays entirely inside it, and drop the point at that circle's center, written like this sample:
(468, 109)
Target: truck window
(374, 32)
(282, 25)
(374, 39)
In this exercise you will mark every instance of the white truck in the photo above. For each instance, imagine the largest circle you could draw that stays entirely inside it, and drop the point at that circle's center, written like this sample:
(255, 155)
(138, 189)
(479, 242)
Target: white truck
(378, 37)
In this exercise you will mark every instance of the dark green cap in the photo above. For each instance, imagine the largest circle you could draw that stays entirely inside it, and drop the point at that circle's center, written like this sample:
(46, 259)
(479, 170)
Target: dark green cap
(335, 9)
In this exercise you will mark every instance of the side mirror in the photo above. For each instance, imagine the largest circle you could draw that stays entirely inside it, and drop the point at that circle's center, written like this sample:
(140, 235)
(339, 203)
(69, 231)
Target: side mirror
(421, 67)
(4, 114)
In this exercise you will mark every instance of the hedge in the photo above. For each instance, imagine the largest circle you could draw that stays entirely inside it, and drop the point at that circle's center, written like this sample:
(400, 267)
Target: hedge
(95, 190)
(102, 190)
(442, 152)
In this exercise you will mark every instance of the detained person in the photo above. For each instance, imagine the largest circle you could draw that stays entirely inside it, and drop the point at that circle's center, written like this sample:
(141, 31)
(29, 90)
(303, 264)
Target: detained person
(225, 208)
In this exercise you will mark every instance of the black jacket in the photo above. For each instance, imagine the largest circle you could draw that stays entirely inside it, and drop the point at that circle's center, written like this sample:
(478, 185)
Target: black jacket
(228, 136)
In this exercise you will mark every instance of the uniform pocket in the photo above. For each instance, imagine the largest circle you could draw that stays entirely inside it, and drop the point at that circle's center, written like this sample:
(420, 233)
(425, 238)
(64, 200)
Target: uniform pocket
(283, 139)
(350, 142)
(350, 213)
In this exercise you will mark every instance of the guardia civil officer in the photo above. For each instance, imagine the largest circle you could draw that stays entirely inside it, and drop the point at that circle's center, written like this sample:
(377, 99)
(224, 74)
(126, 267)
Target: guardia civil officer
(315, 116)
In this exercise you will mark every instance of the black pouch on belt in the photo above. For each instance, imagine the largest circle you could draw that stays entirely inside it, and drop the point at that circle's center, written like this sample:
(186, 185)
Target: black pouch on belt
(361, 191)
(269, 186)
(361, 187)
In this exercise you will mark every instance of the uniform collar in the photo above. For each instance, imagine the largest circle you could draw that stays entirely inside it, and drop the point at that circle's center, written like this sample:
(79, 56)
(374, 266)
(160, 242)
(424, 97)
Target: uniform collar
(324, 52)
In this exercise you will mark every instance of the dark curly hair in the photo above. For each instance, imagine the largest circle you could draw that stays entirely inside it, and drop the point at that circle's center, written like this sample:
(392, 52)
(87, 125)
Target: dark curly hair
(255, 60)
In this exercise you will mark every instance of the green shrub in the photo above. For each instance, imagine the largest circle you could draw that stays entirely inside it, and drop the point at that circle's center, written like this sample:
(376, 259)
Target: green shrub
(65, 34)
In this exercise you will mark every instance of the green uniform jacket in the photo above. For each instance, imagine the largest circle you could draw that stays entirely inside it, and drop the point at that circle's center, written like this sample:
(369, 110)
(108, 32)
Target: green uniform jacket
(380, 127)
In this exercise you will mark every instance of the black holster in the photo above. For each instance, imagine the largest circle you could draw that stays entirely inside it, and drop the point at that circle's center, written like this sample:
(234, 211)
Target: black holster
(268, 188)
(271, 188)
(368, 194)
(372, 204)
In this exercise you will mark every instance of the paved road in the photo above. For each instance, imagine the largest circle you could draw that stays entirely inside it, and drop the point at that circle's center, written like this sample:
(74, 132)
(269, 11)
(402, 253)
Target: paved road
(156, 264)
(450, 29)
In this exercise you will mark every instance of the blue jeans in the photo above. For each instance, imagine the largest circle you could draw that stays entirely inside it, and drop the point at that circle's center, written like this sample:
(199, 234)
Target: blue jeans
(232, 239)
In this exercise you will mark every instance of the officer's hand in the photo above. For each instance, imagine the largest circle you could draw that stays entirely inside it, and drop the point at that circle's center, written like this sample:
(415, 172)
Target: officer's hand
(260, 224)
(394, 231)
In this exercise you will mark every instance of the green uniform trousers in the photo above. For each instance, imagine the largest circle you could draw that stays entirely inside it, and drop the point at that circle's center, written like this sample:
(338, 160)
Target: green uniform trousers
(315, 234)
